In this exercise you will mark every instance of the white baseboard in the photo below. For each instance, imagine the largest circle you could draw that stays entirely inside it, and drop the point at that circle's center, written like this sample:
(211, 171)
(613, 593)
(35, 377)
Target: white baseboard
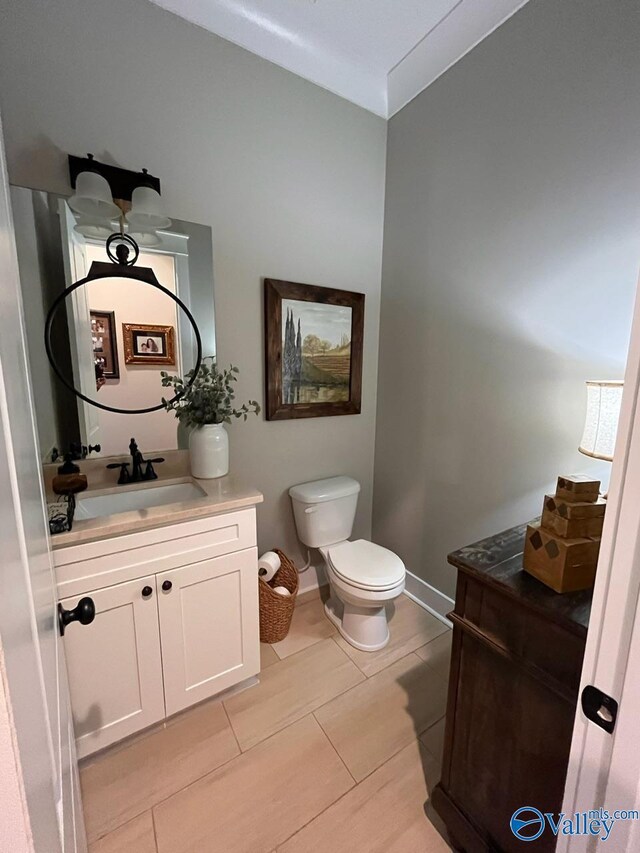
(312, 578)
(427, 596)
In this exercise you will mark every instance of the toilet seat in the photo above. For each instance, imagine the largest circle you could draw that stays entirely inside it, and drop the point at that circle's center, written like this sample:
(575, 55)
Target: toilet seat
(364, 565)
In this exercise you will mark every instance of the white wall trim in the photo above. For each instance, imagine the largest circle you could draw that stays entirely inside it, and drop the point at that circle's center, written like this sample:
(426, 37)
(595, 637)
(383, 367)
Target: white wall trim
(464, 27)
(382, 91)
(290, 49)
(312, 577)
(428, 597)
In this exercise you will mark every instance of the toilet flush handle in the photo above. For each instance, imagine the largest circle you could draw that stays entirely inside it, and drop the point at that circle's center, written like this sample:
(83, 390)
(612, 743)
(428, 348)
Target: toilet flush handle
(310, 509)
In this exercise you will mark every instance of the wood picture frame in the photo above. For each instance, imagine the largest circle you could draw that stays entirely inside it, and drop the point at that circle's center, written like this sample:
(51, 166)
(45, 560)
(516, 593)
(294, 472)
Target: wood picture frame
(313, 354)
(105, 344)
(148, 344)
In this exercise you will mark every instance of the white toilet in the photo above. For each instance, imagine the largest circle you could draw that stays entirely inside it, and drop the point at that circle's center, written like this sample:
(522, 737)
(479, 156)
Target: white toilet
(364, 577)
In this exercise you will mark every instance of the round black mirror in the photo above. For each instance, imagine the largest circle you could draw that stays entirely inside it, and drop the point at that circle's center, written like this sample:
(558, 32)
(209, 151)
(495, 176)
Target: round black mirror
(145, 347)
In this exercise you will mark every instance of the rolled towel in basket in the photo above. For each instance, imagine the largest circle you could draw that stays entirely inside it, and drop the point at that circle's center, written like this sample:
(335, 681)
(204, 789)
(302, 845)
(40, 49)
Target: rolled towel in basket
(268, 565)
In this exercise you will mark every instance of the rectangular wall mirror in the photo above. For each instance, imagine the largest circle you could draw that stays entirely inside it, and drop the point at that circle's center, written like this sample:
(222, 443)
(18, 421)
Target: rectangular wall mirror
(113, 337)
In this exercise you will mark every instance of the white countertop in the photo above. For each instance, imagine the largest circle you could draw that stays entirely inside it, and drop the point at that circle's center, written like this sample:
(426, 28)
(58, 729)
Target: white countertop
(223, 494)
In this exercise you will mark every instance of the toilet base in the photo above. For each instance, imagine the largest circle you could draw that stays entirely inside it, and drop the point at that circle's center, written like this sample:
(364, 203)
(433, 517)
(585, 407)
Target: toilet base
(364, 628)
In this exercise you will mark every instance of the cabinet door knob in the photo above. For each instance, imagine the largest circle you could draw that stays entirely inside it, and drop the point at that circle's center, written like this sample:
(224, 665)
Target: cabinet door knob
(146, 591)
(84, 612)
(166, 585)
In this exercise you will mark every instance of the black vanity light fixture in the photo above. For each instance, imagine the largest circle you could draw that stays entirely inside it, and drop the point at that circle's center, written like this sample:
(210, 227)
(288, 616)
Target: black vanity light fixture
(104, 193)
(122, 182)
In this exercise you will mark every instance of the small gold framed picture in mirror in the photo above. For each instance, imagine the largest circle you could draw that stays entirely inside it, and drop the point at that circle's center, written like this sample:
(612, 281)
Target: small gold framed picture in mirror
(145, 344)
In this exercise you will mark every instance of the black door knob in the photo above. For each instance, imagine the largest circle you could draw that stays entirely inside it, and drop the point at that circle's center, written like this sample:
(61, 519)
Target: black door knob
(146, 591)
(166, 585)
(84, 612)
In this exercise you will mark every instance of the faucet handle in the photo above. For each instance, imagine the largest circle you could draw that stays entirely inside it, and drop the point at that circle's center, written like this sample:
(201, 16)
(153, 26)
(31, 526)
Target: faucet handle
(149, 473)
(125, 476)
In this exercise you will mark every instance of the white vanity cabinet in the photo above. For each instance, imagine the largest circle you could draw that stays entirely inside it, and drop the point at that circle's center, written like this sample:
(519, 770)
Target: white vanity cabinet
(176, 622)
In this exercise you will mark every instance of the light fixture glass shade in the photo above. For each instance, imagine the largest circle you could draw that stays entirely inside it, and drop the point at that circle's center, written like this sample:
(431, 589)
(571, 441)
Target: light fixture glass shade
(601, 424)
(93, 197)
(146, 210)
(94, 229)
(145, 239)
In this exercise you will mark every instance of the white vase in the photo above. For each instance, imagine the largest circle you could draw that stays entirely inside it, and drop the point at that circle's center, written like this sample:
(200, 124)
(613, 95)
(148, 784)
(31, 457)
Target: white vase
(209, 451)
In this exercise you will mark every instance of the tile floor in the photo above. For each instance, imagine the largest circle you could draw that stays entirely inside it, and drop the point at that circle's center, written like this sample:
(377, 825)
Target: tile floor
(335, 751)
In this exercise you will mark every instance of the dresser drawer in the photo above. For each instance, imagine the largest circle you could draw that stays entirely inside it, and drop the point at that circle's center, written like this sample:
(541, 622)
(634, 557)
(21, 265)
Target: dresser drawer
(543, 645)
(93, 565)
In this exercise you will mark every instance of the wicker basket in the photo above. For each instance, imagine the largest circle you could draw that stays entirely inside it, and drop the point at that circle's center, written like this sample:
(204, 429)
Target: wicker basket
(276, 610)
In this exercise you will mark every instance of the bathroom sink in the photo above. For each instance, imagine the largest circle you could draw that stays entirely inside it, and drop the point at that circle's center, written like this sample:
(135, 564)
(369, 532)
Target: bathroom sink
(142, 498)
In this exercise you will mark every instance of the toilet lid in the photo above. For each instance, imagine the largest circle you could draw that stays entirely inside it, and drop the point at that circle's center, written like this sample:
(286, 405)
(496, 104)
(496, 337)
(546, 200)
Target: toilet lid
(366, 565)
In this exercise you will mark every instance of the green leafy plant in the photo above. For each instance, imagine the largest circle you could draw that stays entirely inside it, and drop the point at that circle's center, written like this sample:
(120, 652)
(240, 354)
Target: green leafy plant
(210, 399)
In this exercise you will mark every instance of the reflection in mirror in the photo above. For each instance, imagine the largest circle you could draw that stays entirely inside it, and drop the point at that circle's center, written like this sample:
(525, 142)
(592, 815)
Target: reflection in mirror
(112, 337)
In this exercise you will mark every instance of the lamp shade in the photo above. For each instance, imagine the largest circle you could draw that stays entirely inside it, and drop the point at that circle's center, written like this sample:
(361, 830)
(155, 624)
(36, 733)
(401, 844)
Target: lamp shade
(93, 197)
(601, 424)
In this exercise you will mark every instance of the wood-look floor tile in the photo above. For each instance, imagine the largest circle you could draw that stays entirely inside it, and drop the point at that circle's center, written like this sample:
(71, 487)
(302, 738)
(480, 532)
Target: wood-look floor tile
(373, 721)
(383, 814)
(437, 654)
(267, 656)
(136, 836)
(410, 626)
(433, 739)
(119, 785)
(308, 626)
(289, 690)
(259, 799)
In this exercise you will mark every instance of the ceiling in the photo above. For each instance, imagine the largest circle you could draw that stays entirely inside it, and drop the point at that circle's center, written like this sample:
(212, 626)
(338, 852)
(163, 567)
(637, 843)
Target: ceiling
(377, 53)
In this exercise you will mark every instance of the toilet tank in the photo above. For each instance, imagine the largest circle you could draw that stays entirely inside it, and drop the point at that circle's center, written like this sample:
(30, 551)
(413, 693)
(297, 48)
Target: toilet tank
(324, 510)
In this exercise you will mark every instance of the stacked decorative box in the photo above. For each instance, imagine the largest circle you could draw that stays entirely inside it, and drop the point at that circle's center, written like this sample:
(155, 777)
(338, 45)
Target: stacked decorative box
(562, 550)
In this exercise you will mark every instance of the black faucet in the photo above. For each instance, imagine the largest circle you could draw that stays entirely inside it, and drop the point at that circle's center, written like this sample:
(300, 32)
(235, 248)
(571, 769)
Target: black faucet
(137, 474)
(137, 461)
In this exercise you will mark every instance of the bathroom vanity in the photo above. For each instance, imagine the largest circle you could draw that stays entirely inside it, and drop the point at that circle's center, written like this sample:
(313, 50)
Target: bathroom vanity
(176, 599)
(169, 563)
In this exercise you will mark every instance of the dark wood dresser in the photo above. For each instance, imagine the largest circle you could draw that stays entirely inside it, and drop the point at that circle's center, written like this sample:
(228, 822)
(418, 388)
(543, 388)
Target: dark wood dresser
(515, 671)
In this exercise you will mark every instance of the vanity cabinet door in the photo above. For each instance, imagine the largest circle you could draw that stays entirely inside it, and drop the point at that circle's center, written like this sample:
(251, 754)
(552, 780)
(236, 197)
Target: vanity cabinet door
(209, 627)
(114, 665)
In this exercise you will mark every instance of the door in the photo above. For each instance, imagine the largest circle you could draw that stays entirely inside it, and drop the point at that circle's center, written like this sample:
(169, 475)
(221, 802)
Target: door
(115, 674)
(209, 627)
(79, 323)
(604, 767)
(34, 677)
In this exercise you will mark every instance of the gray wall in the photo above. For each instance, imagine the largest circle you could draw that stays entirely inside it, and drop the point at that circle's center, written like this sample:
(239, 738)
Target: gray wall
(512, 237)
(289, 176)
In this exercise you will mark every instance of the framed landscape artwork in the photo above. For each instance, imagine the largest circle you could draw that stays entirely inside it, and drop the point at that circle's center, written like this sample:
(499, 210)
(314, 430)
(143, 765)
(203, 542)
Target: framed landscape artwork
(146, 344)
(314, 337)
(105, 346)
